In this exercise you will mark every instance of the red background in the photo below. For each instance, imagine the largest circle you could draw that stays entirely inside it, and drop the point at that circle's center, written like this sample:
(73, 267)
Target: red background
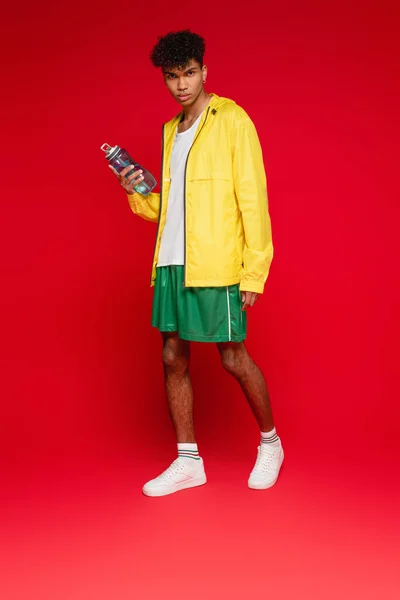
(84, 422)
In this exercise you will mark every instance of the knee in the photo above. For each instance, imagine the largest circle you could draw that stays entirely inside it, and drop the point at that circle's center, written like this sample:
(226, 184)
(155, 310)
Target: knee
(173, 361)
(231, 361)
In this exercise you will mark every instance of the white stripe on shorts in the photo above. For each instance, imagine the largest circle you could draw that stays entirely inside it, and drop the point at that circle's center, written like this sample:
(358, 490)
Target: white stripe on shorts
(229, 312)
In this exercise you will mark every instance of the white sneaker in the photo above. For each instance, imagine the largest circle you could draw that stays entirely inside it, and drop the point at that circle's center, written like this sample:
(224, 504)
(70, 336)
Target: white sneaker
(180, 475)
(267, 467)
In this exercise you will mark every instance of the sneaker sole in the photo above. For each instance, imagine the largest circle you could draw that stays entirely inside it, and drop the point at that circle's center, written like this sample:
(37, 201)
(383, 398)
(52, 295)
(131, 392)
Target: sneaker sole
(185, 485)
(260, 486)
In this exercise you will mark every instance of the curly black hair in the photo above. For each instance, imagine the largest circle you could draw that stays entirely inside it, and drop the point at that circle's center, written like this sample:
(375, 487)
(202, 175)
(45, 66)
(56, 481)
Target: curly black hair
(176, 49)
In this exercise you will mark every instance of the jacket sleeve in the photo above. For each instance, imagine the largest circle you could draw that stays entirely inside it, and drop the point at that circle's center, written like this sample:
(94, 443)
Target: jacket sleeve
(147, 207)
(251, 193)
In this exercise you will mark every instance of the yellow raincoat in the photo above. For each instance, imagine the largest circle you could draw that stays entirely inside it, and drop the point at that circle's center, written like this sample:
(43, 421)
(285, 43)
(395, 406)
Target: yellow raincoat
(227, 224)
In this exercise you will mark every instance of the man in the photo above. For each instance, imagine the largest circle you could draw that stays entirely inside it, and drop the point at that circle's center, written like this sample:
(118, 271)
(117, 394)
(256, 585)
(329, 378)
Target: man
(212, 254)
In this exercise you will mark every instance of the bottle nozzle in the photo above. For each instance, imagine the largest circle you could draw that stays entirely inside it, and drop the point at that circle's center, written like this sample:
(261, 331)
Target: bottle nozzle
(105, 147)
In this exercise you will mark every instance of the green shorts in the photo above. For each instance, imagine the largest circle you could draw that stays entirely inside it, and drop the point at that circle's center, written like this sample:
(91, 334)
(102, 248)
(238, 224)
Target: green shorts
(211, 314)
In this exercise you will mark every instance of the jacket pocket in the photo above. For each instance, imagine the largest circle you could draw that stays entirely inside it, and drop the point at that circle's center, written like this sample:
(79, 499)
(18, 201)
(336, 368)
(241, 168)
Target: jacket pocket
(209, 176)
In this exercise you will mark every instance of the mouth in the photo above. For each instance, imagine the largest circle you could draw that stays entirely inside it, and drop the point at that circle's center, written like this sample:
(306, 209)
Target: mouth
(183, 97)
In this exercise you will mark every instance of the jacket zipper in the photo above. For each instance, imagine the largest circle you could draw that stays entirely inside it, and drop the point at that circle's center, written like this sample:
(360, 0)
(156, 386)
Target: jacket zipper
(161, 195)
(184, 194)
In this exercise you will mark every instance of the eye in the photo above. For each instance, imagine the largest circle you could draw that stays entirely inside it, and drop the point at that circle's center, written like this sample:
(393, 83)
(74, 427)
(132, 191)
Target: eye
(190, 73)
(170, 76)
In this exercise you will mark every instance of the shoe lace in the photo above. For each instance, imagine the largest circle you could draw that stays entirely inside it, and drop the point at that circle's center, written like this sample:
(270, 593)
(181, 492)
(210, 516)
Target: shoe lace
(173, 468)
(264, 458)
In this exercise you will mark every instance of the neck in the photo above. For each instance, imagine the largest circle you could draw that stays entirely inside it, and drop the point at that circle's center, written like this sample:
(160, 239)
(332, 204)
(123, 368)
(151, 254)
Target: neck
(193, 111)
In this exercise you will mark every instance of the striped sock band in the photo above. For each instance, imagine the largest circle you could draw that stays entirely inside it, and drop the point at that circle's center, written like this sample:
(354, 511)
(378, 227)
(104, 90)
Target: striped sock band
(188, 451)
(269, 437)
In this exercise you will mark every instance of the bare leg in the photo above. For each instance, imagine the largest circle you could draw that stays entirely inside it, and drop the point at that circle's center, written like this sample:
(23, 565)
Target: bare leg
(237, 361)
(178, 386)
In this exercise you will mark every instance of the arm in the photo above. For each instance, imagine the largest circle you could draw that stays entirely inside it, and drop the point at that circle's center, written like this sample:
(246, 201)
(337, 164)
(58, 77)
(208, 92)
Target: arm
(251, 192)
(147, 207)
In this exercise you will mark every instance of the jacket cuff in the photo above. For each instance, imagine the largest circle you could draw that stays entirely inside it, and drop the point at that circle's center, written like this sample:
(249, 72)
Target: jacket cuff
(251, 286)
(135, 200)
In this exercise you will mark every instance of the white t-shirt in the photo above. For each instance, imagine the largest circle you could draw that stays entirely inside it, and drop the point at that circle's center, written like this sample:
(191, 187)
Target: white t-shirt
(172, 247)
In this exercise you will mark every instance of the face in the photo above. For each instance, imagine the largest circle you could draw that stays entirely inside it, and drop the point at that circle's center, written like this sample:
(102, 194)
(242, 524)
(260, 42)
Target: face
(186, 84)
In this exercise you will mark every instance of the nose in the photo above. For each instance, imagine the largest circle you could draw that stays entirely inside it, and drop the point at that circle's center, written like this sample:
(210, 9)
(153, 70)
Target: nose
(182, 84)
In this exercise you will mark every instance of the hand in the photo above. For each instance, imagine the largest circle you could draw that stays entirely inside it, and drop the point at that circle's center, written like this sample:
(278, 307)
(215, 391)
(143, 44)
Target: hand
(128, 183)
(249, 299)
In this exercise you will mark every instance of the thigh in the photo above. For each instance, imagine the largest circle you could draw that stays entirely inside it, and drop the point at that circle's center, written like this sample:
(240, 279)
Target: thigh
(165, 299)
(211, 314)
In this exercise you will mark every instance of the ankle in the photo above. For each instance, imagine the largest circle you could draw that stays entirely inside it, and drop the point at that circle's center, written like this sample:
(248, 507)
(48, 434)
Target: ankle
(269, 438)
(188, 450)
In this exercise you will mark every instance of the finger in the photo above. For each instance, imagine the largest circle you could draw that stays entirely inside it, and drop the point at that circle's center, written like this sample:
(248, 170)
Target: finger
(243, 300)
(129, 182)
(129, 185)
(114, 171)
(135, 176)
(121, 176)
(246, 301)
(253, 299)
(128, 169)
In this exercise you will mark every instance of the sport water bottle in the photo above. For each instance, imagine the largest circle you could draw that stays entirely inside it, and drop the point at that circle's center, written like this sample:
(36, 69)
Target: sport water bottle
(119, 159)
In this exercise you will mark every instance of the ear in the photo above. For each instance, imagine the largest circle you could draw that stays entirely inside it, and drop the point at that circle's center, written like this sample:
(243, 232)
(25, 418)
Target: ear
(204, 72)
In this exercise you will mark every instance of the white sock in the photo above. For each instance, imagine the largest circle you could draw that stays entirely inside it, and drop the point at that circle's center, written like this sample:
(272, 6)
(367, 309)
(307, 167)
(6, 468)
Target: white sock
(269, 437)
(188, 451)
